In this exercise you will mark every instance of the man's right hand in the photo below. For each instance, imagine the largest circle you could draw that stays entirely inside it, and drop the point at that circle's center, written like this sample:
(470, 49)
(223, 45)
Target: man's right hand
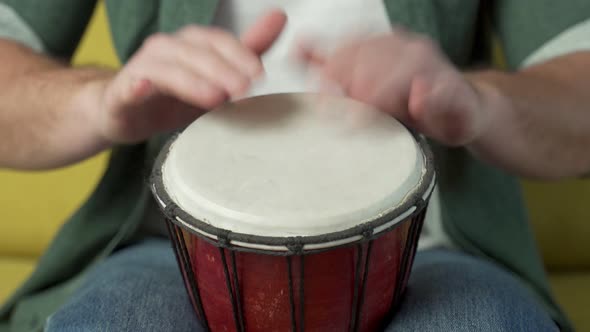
(172, 79)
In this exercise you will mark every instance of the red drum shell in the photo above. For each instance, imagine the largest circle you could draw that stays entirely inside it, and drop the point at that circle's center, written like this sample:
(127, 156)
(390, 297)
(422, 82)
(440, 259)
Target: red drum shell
(234, 290)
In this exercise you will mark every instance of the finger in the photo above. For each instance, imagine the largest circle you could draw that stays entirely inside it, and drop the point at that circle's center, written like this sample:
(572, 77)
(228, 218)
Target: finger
(444, 109)
(339, 67)
(209, 64)
(314, 52)
(310, 54)
(419, 103)
(392, 95)
(176, 81)
(226, 45)
(260, 36)
(366, 75)
(426, 108)
(141, 89)
(198, 57)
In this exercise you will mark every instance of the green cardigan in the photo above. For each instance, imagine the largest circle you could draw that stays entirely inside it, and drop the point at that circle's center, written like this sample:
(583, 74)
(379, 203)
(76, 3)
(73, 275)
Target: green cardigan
(482, 207)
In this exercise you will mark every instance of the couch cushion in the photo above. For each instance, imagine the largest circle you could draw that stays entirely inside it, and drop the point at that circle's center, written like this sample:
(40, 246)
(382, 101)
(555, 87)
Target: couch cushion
(13, 271)
(560, 215)
(572, 290)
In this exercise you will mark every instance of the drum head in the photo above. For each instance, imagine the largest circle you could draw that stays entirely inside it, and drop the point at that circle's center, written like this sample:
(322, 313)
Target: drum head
(288, 165)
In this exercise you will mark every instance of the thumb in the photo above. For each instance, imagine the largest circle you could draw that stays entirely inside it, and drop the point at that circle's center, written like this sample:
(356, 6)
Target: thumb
(446, 110)
(260, 36)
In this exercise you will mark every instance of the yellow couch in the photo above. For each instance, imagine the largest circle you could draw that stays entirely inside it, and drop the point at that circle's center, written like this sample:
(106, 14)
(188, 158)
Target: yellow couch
(560, 216)
(34, 204)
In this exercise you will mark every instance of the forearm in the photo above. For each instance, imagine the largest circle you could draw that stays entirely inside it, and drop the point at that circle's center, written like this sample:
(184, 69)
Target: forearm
(46, 110)
(539, 118)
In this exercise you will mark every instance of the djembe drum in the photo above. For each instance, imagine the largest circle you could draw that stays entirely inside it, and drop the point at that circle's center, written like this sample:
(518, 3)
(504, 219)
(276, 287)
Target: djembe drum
(294, 212)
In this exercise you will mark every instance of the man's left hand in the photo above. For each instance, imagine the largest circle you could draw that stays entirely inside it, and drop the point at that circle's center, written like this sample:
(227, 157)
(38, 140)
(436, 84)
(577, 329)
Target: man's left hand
(407, 76)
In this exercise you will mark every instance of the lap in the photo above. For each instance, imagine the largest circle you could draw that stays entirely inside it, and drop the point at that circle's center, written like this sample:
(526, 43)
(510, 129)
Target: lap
(140, 289)
(452, 291)
(137, 289)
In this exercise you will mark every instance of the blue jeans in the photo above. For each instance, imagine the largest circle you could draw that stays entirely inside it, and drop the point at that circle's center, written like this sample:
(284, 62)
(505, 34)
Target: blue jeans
(140, 289)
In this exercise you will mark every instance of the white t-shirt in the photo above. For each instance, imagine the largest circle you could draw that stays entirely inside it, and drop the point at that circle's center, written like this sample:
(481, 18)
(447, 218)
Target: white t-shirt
(327, 23)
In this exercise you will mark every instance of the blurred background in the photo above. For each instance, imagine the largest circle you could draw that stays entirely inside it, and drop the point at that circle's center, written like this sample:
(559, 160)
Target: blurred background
(34, 204)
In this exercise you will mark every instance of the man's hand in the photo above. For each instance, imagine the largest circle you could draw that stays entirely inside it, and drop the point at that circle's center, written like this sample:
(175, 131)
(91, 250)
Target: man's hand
(53, 115)
(533, 122)
(173, 78)
(406, 75)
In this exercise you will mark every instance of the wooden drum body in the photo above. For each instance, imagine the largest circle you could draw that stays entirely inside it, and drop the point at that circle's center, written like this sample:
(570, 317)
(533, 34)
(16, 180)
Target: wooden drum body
(249, 276)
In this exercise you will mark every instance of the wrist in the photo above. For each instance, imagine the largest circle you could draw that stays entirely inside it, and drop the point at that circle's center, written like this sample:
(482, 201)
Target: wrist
(495, 106)
(89, 101)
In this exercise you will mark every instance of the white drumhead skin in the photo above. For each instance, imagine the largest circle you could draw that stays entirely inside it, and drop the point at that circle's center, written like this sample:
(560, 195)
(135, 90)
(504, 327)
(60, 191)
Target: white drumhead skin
(292, 165)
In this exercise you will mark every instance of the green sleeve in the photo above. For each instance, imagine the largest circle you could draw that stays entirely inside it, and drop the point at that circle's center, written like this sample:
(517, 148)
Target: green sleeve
(529, 28)
(59, 24)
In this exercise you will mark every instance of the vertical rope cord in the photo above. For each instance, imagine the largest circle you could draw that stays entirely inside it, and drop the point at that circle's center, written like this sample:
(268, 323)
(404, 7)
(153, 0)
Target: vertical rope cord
(229, 288)
(192, 280)
(355, 296)
(295, 246)
(237, 290)
(418, 221)
(302, 292)
(403, 269)
(291, 294)
(180, 261)
(364, 285)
